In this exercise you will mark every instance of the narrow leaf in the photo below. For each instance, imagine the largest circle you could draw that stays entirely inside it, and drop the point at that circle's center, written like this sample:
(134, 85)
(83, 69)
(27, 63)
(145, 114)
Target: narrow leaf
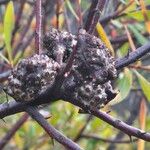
(4, 58)
(145, 15)
(125, 83)
(145, 84)
(132, 45)
(9, 20)
(104, 38)
(142, 121)
(140, 38)
(71, 9)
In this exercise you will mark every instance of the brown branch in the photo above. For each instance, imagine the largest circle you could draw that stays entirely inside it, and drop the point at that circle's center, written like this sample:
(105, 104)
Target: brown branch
(52, 132)
(129, 130)
(114, 15)
(94, 15)
(14, 107)
(133, 56)
(4, 140)
(50, 96)
(90, 15)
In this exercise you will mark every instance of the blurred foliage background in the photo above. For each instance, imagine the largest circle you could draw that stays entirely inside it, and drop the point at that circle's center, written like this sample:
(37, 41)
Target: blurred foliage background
(127, 30)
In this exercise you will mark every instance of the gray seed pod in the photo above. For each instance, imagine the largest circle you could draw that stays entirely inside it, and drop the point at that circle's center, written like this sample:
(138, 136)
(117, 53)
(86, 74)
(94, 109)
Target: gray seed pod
(31, 77)
(59, 44)
(93, 67)
(95, 95)
(93, 58)
(92, 70)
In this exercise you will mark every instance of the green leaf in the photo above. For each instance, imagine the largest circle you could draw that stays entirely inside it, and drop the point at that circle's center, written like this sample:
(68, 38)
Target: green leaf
(9, 20)
(140, 38)
(17, 57)
(147, 2)
(145, 84)
(103, 36)
(71, 9)
(138, 15)
(123, 51)
(125, 83)
(123, 1)
(91, 144)
(117, 24)
(3, 58)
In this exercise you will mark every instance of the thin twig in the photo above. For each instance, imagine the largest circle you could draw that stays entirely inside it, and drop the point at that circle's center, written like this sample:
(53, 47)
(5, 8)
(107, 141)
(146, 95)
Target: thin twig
(38, 36)
(66, 18)
(4, 140)
(58, 12)
(26, 43)
(18, 18)
(52, 132)
(133, 56)
(95, 137)
(24, 32)
(79, 13)
(129, 130)
(122, 39)
(90, 15)
(79, 135)
(130, 121)
(146, 68)
(115, 15)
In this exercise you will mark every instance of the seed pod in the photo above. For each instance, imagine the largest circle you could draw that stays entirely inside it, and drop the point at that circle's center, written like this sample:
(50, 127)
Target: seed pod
(31, 77)
(95, 95)
(59, 44)
(91, 73)
(93, 59)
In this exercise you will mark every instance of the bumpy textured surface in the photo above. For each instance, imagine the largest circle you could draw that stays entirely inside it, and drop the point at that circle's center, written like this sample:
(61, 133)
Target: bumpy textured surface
(31, 77)
(93, 59)
(90, 76)
(59, 44)
(94, 94)
(93, 68)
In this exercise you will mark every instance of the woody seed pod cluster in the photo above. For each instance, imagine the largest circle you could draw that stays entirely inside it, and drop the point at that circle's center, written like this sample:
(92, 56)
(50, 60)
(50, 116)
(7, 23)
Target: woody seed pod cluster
(31, 77)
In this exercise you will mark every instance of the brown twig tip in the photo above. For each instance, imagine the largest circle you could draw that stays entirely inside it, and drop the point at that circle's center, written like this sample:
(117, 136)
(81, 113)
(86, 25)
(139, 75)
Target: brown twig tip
(52, 132)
